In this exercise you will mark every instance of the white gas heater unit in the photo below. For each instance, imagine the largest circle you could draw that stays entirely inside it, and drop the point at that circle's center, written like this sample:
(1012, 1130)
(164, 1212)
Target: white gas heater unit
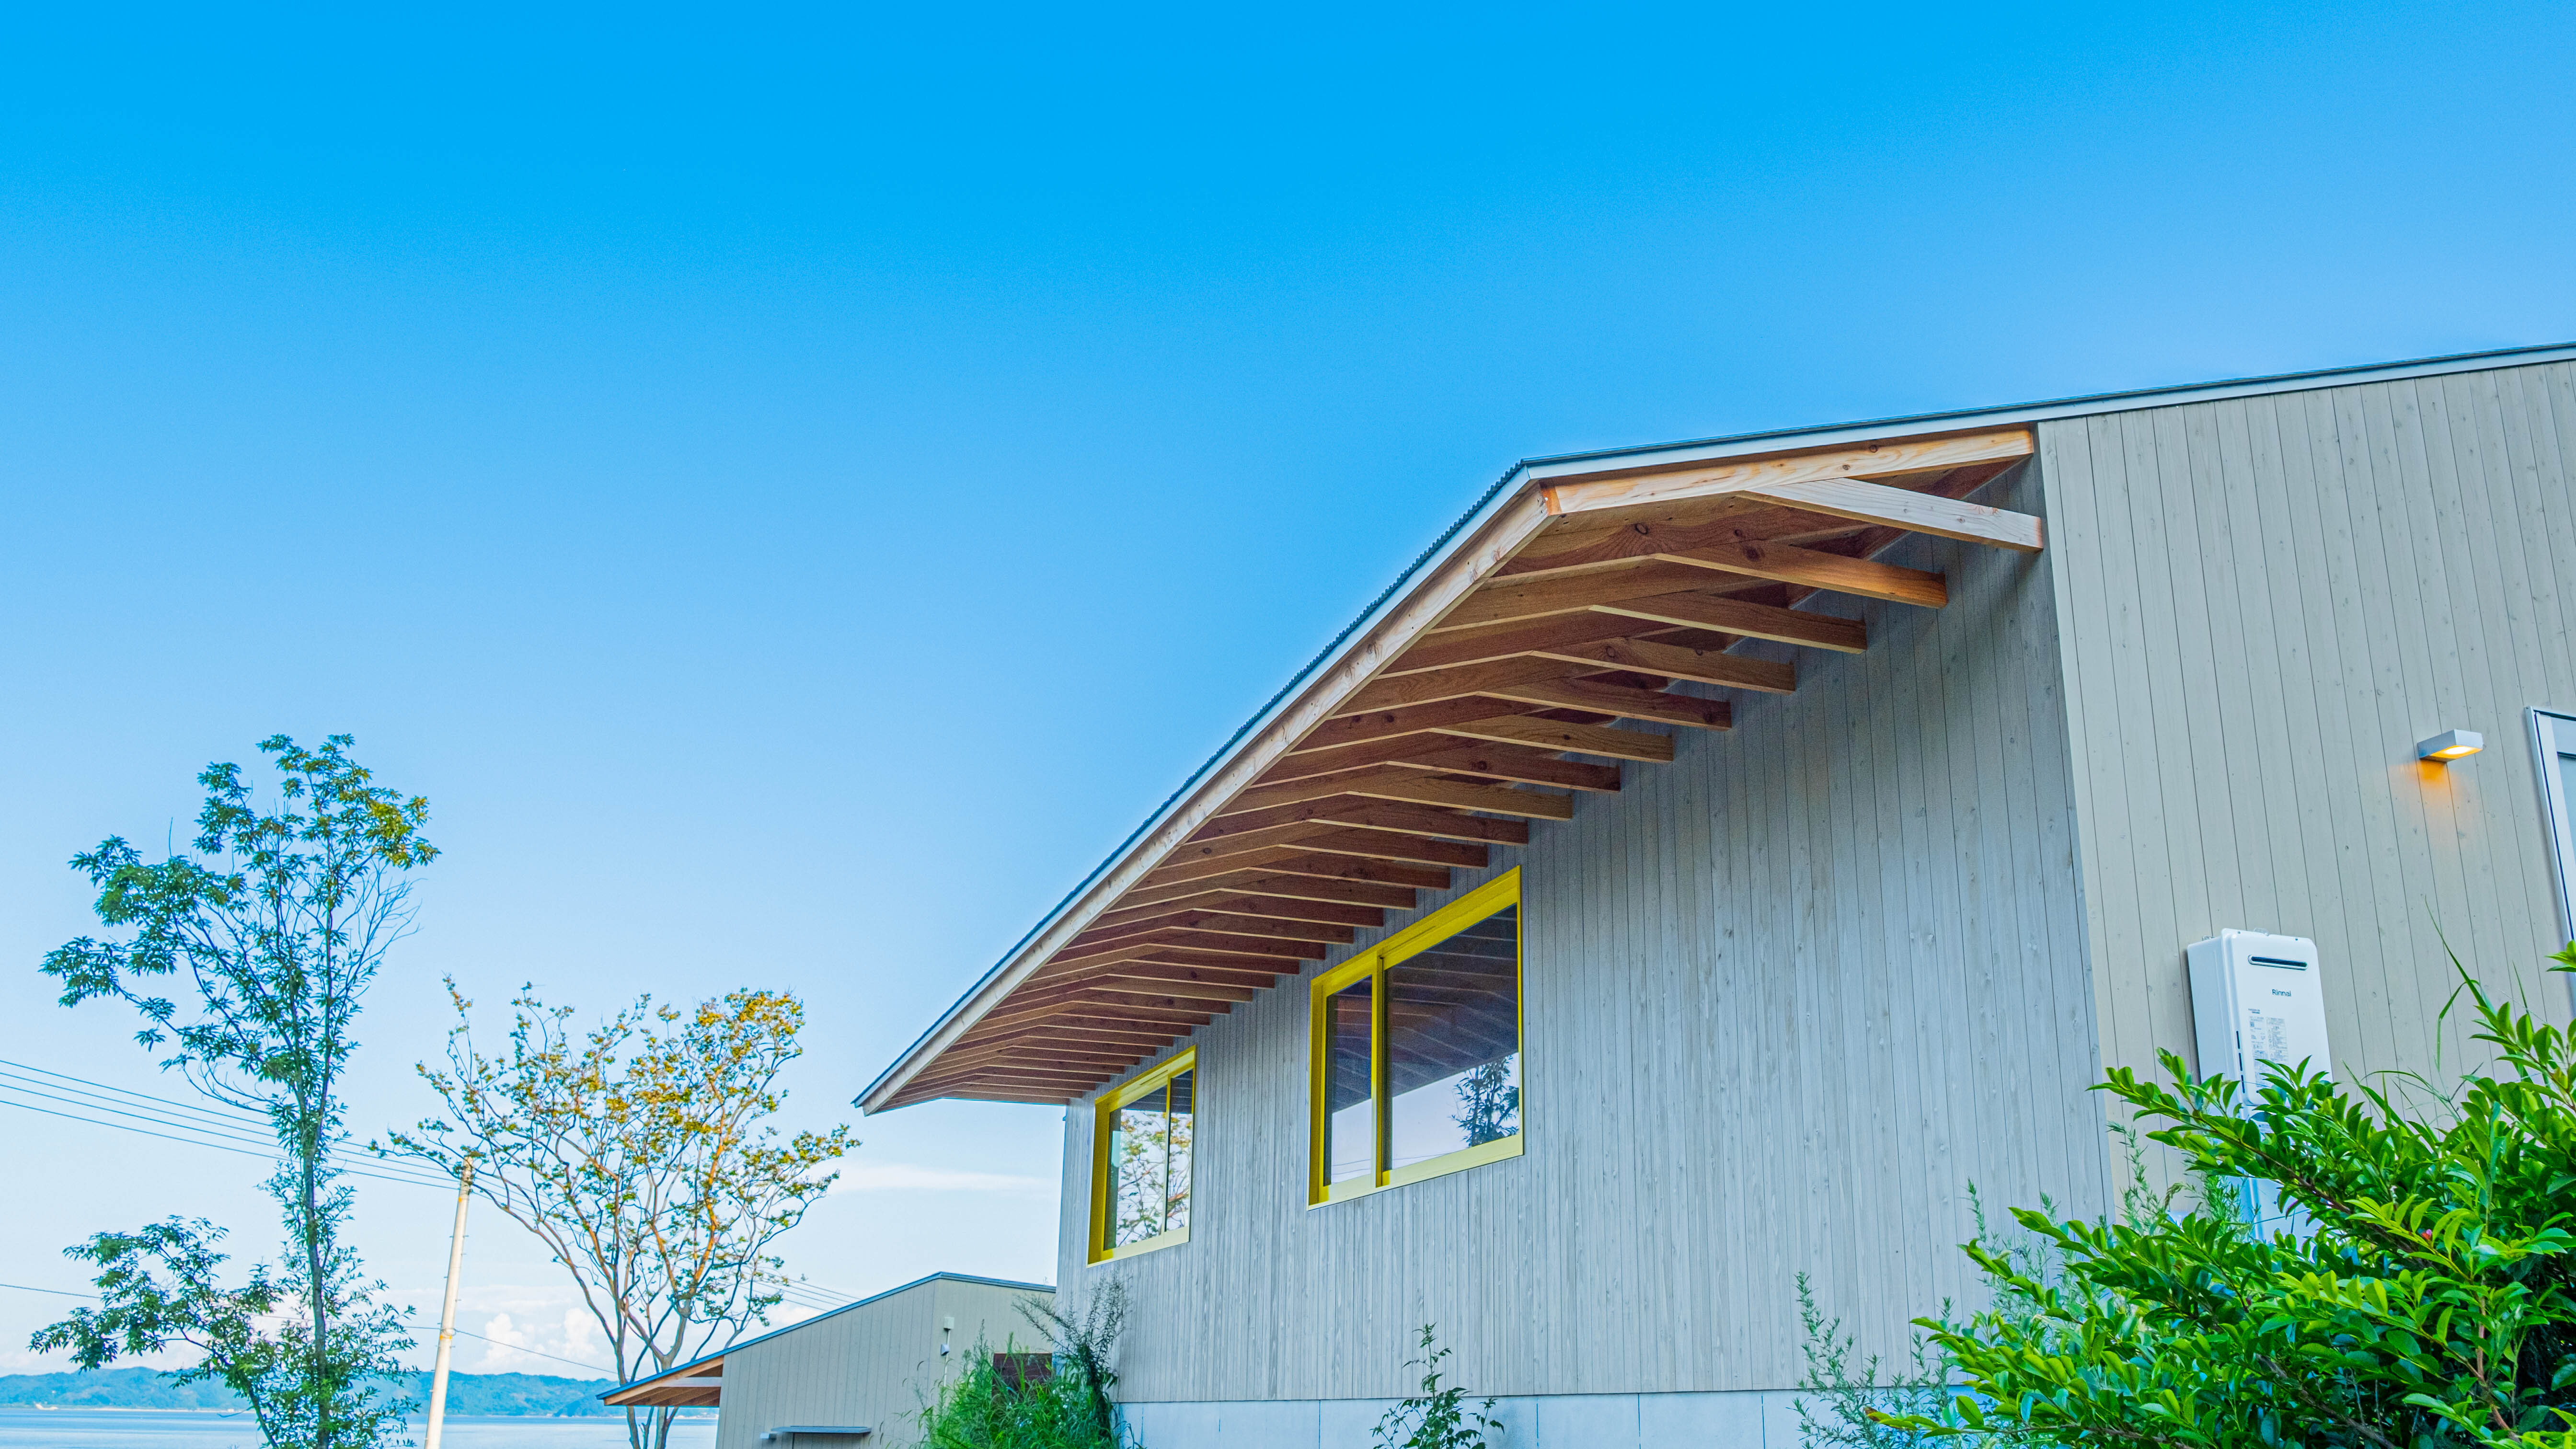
(2257, 1008)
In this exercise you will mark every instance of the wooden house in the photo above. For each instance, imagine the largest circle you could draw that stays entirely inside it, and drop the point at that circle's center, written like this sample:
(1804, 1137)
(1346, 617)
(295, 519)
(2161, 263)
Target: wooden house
(1712, 859)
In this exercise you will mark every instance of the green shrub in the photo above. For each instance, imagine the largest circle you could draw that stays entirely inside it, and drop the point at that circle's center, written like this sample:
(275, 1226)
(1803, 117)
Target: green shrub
(982, 1409)
(1069, 1408)
(1436, 1418)
(2429, 1302)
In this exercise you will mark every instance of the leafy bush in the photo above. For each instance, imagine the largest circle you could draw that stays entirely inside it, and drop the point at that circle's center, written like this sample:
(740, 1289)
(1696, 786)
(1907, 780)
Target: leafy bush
(988, 1408)
(1437, 1418)
(1843, 1400)
(985, 1409)
(2430, 1302)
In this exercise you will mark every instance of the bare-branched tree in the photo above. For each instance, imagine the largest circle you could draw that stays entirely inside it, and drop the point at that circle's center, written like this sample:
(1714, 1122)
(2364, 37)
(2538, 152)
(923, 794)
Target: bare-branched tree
(642, 1155)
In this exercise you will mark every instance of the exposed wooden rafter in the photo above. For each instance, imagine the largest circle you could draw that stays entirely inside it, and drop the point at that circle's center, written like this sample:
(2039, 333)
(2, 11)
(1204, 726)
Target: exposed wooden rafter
(1626, 605)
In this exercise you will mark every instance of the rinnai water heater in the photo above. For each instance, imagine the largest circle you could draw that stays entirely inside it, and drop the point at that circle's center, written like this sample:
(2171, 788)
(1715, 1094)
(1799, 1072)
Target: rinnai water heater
(2256, 1008)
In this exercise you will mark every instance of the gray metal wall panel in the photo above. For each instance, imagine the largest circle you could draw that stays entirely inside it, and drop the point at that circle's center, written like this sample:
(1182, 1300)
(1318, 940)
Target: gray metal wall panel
(2265, 602)
(874, 1364)
(1786, 998)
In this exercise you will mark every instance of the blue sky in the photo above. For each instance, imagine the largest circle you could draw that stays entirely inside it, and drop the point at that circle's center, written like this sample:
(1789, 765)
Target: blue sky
(795, 488)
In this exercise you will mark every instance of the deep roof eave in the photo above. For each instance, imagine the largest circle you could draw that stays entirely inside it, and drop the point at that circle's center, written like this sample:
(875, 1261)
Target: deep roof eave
(1529, 470)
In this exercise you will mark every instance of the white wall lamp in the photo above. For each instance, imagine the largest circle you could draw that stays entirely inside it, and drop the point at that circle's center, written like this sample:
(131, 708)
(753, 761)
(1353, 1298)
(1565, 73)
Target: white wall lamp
(2450, 745)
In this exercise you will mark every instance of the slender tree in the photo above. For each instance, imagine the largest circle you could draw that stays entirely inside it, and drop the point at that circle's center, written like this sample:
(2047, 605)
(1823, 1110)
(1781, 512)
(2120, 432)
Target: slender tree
(641, 1154)
(273, 931)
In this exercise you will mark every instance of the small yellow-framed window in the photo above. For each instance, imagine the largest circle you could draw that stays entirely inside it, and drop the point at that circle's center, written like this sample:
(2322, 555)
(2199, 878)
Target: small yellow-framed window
(1416, 1056)
(1141, 1138)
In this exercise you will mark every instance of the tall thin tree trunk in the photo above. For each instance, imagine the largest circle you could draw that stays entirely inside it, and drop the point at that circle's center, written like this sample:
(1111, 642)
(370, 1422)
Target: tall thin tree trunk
(310, 1143)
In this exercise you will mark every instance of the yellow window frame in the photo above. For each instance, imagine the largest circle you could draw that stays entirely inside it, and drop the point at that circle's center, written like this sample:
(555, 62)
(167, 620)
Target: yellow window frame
(1141, 1086)
(1494, 895)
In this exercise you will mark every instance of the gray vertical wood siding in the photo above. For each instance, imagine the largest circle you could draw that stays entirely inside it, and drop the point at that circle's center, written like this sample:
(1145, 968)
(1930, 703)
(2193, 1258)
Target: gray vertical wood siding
(1785, 999)
(2265, 602)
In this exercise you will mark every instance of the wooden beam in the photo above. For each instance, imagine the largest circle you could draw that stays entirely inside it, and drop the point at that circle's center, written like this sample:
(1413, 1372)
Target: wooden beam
(991, 1079)
(1286, 908)
(1000, 1069)
(1626, 537)
(1674, 661)
(1151, 1001)
(1074, 1019)
(1041, 1048)
(1502, 641)
(1194, 918)
(1148, 950)
(1366, 813)
(1049, 1036)
(1629, 703)
(971, 1083)
(1361, 813)
(916, 1097)
(1583, 739)
(1126, 976)
(1449, 754)
(1637, 574)
(1904, 508)
(1337, 840)
(1497, 535)
(1118, 1036)
(1397, 691)
(1790, 565)
(1394, 845)
(1213, 942)
(1301, 887)
(1398, 783)
(1177, 1020)
(1182, 980)
(1873, 460)
(1355, 868)
(1753, 621)
(1618, 618)
(1388, 724)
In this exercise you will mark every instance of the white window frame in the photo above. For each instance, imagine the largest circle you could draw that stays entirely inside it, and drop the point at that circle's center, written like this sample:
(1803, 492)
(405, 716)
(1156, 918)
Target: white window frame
(2554, 735)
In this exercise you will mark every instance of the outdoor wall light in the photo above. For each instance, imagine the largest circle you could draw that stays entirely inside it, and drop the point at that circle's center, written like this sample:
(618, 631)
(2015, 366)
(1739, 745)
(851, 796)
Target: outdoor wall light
(2450, 745)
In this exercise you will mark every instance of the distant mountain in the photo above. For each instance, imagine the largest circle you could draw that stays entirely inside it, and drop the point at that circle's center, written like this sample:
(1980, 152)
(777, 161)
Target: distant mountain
(129, 1388)
(142, 1388)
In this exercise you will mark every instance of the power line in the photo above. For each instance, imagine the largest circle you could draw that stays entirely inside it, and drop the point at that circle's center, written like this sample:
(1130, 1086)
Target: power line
(208, 1136)
(57, 1292)
(217, 1146)
(514, 1348)
(234, 1125)
(226, 1114)
(237, 1132)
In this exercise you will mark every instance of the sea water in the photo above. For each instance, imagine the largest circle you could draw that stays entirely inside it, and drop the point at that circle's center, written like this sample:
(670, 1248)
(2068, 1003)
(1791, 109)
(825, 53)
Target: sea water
(24, 1428)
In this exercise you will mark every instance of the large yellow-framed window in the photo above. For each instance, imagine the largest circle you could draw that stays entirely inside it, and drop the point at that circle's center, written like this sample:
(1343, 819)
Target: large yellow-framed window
(1416, 1066)
(1141, 1137)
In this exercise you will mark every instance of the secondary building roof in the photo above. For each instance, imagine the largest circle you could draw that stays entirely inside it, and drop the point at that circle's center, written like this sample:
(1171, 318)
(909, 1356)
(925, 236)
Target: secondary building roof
(1483, 691)
(699, 1383)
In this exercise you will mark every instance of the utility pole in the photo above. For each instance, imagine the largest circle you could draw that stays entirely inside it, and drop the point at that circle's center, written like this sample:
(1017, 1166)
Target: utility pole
(447, 1311)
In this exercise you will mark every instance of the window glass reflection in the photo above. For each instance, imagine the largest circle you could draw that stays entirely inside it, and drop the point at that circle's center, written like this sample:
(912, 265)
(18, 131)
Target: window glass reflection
(1149, 1164)
(1350, 1107)
(1453, 1053)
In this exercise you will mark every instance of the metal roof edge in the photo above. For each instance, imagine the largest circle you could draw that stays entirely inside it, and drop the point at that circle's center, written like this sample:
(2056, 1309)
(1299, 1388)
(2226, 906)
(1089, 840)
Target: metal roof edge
(1440, 549)
(2083, 405)
(680, 1370)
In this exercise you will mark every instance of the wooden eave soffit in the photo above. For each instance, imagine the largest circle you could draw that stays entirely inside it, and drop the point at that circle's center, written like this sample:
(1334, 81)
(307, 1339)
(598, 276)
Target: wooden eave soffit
(1485, 715)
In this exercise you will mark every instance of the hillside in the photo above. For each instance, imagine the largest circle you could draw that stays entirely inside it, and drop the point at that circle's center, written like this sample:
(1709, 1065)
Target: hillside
(140, 1388)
